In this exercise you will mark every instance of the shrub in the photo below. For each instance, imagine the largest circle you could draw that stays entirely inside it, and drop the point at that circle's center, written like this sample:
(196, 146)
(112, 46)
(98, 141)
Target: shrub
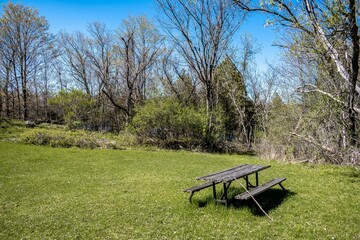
(80, 139)
(75, 108)
(169, 122)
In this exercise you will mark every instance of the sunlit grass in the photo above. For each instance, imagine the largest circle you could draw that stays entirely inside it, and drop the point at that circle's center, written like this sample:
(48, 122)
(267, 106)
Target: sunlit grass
(54, 193)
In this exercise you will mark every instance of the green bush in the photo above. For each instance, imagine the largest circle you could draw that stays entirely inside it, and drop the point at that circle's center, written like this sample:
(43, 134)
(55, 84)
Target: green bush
(167, 120)
(80, 139)
(75, 108)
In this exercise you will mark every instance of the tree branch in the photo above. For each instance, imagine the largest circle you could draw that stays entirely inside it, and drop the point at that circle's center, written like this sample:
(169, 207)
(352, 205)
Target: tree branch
(310, 88)
(114, 103)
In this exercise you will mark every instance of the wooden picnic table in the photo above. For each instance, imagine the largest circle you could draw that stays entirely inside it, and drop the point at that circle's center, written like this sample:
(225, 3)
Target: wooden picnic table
(226, 177)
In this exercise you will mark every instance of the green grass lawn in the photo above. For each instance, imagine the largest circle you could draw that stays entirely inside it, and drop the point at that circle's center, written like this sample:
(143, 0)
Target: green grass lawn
(54, 193)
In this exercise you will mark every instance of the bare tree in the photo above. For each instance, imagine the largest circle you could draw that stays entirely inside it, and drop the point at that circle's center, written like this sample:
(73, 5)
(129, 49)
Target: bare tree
(74, 48)
(176, 78)
(5, 78)
(100, 53)
(330, 30)
(139, 44)
(321, 44)
(46, 80)
(25, 33)
(201, 31)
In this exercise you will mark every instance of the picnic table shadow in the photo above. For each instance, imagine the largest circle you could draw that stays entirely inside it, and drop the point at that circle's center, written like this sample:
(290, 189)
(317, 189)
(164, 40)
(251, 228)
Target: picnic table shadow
(269, 200)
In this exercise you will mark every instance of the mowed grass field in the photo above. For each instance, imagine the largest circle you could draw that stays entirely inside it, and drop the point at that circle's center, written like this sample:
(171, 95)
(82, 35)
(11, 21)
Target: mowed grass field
(54, 193)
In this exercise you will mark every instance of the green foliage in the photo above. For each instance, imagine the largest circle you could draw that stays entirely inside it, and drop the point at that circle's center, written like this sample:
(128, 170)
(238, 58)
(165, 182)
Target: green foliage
(233, 101)
(168, 120)
(182, 88)
(54, 193)
(274, 140)
(281, 120)
(79, 138)
(75, 108)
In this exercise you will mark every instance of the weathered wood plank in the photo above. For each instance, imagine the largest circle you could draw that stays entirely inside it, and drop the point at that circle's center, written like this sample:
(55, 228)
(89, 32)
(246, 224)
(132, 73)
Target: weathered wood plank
(210, 176)
(244, 172)
(262, 188)
(199, 187)
(236, 172)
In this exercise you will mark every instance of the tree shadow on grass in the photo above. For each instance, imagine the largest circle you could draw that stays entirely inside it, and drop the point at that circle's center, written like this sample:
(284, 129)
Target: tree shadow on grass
(269, 200)
(352, 176)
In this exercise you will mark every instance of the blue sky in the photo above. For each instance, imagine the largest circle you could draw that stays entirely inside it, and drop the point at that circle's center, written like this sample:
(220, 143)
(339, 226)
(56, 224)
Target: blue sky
(71, 15)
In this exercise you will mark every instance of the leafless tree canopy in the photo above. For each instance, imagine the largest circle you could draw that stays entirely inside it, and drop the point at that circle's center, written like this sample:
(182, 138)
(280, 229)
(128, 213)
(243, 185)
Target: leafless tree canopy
(23, 37)
(201, 32)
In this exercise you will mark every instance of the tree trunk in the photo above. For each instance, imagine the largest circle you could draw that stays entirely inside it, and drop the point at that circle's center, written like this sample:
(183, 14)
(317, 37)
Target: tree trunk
(17, 92)
(37, 100)
(354, 73)
(24, 92)
(14, 105)
(6, 92)
(1, 102)
(210, 114)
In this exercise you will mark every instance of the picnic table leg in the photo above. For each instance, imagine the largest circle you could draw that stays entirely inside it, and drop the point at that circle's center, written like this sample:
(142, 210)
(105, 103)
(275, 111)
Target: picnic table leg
(214, 192)
(247, 182)
(191, 195)
(257, 179)
(225, 193)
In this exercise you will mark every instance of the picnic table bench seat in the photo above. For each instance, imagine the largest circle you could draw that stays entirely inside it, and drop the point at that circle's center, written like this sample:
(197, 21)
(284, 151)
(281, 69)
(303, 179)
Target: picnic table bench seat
(259, 189)
(194, 189)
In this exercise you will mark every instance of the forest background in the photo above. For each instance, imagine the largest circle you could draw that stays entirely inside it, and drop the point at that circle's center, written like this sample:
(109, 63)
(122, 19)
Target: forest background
(180, 82)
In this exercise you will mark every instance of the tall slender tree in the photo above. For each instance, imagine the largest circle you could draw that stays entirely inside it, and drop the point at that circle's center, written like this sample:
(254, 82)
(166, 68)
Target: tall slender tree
(202, 31)
(139, 45)
(74, 49)
(25, 33)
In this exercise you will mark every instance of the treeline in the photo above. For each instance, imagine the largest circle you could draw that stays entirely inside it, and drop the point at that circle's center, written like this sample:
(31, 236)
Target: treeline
(186, 85)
